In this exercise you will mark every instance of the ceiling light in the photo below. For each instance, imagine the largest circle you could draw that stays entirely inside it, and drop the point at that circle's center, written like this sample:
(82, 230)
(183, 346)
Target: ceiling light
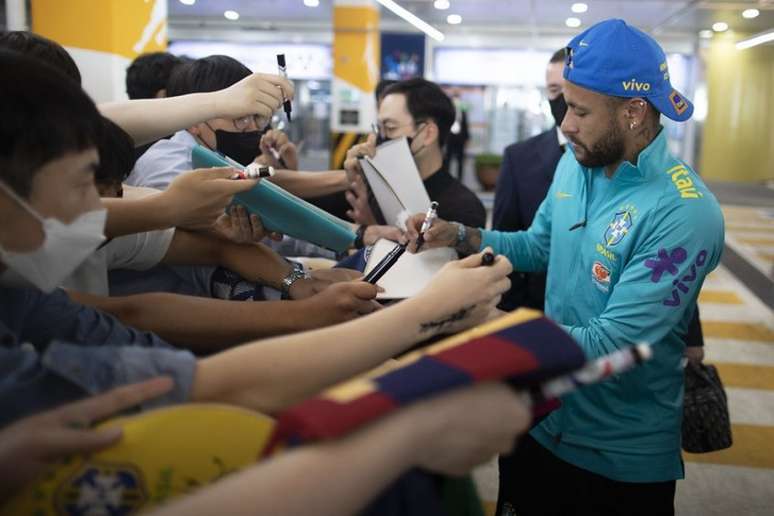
(187, 2)
(441, 5)
(311, 3)
(750, 13)
(706, 34)
(572, 22)
(413, 19)
(454, 19)
(758, 39)
(579, 8)
(720, 26)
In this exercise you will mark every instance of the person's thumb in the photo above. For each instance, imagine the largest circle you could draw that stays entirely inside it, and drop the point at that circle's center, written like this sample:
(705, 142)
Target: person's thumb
(231, 186)
(394, 234)
(364, 290)
(215, 173)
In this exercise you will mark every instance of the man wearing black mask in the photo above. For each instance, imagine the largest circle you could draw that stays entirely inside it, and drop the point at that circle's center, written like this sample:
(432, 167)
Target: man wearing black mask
(526, 173)
(239, 139)
(420, 111)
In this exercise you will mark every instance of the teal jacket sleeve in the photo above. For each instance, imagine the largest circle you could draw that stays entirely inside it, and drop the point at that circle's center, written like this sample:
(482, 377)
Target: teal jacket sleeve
(661, 281)
(527, 250)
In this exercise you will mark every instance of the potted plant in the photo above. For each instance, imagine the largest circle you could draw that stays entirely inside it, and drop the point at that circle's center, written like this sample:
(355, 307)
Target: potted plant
(487, 170)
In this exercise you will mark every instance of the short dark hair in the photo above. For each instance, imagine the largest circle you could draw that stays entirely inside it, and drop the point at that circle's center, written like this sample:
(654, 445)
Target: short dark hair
(381, 86)
(116, 154)
(425, 100)
(44, 49)
(149, 73)
(559, 56)
(211, 73)
(45, 116)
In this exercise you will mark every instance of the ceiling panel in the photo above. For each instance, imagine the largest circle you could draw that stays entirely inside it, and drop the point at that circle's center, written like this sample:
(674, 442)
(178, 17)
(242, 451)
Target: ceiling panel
(538, 15)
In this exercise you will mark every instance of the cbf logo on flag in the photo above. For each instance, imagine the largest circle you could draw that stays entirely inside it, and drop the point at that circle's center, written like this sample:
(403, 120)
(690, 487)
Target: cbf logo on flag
(618, 228)
(102, 488)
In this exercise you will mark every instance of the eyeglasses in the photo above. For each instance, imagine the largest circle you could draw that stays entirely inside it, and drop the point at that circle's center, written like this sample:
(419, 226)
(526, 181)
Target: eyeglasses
(389, 130)
(242, 124)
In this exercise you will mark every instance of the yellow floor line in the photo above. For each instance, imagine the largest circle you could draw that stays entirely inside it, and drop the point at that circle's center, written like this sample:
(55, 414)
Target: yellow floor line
(725, 297)
(740, 331)
(746, 376)
(757, 241)
(751, 229)
(752, 448)
(766, 256)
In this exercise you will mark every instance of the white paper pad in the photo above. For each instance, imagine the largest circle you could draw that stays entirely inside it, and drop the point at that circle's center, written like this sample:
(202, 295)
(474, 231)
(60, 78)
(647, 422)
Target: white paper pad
(395, 182)
(411, 273)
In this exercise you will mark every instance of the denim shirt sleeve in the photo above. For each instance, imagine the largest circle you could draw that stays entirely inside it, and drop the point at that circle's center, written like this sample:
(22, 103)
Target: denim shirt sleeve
(31, 381)
(40, 318)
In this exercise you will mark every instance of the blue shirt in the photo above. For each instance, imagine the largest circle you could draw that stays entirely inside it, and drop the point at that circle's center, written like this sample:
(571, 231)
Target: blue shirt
(626, 257)
(163, 161)
(53, 351)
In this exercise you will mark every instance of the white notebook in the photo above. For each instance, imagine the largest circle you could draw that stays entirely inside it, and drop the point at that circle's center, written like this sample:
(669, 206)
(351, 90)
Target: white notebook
(411, 273)
(395, 182)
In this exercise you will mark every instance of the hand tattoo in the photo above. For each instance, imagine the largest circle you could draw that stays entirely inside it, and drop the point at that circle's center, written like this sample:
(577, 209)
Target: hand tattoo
(441, 324)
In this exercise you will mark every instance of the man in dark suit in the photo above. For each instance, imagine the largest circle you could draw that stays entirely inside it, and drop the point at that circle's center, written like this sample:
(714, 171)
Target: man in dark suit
(526, 173)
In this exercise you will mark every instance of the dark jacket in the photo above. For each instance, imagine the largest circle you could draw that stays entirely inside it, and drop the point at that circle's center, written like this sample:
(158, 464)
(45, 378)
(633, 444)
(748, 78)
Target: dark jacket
(525, 176)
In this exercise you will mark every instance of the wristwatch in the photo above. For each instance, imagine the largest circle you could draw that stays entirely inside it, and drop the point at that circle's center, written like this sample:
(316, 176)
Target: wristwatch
(294, 275)
(462, 232)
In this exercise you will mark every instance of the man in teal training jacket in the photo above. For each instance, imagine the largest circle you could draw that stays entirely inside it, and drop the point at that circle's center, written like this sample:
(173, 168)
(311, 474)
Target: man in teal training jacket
(627, 234)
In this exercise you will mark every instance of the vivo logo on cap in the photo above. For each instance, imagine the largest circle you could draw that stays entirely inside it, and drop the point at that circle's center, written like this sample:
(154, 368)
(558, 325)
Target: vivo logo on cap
(633, 85)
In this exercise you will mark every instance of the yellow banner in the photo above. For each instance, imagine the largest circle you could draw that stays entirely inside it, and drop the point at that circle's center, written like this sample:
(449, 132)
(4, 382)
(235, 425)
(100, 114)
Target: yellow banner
(122, 27)
(356, 46)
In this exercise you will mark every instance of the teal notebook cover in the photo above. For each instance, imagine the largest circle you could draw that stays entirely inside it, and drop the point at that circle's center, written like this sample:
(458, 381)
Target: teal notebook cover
(283, 212)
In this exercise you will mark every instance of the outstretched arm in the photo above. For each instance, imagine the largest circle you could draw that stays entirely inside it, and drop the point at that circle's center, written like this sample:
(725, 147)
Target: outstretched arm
(272, 374)
(195, 200)
(147, 120)
(205, 325)
(450, 434)
(311, 184)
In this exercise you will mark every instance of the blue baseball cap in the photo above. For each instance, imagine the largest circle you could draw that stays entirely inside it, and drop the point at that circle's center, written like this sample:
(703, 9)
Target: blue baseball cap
(616, 59)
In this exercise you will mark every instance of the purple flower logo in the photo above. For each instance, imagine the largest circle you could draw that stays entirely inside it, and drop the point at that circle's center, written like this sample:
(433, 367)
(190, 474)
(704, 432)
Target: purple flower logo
(666, 262)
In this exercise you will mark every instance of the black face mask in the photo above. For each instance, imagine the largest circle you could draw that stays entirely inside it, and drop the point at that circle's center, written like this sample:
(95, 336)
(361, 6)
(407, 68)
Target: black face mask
(558, 108)
(241, 147)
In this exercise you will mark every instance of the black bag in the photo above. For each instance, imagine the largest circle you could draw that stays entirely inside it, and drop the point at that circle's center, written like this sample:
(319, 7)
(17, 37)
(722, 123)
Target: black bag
(706, 426)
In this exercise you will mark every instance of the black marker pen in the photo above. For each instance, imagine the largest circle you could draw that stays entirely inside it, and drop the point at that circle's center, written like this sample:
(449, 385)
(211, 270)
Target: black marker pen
(385, 264)
(488, 259)
(283, 72)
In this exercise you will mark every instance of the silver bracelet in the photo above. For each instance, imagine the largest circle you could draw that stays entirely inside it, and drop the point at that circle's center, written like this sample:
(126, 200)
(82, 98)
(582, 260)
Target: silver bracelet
(294, 275)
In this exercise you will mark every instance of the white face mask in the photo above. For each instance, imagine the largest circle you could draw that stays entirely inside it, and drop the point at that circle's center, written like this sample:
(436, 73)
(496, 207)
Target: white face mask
(65, 246)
